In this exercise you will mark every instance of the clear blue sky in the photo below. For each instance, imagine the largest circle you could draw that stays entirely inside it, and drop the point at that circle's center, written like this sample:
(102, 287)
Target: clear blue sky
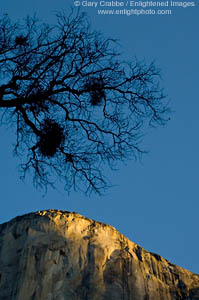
(155, 203)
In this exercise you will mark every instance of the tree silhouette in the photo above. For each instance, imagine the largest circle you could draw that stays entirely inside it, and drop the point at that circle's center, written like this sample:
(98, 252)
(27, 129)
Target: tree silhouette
(75, 104)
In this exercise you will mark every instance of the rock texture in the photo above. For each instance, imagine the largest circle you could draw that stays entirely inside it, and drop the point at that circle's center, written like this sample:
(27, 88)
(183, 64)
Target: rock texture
(58, 255)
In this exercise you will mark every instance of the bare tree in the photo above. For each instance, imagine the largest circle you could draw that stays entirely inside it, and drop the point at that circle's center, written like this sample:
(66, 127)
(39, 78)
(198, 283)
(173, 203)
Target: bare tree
(75, 104)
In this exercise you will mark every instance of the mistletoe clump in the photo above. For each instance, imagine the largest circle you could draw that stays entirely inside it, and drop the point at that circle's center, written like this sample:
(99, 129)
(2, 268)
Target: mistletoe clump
(96, 91)
(51, 139)
(21, 40)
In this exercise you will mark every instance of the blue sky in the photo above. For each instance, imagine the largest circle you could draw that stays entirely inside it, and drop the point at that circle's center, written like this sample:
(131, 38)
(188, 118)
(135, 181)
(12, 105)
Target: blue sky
(155, 202)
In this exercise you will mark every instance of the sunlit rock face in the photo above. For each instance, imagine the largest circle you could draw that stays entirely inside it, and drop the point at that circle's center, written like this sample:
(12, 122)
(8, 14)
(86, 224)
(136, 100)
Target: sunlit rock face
(58, 255)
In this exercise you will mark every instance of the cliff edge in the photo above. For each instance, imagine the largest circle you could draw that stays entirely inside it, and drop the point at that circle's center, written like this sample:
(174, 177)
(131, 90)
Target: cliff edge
(59, 255)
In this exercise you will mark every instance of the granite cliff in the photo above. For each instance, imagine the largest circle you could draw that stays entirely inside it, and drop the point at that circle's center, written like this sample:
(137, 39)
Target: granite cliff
(58, 255)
